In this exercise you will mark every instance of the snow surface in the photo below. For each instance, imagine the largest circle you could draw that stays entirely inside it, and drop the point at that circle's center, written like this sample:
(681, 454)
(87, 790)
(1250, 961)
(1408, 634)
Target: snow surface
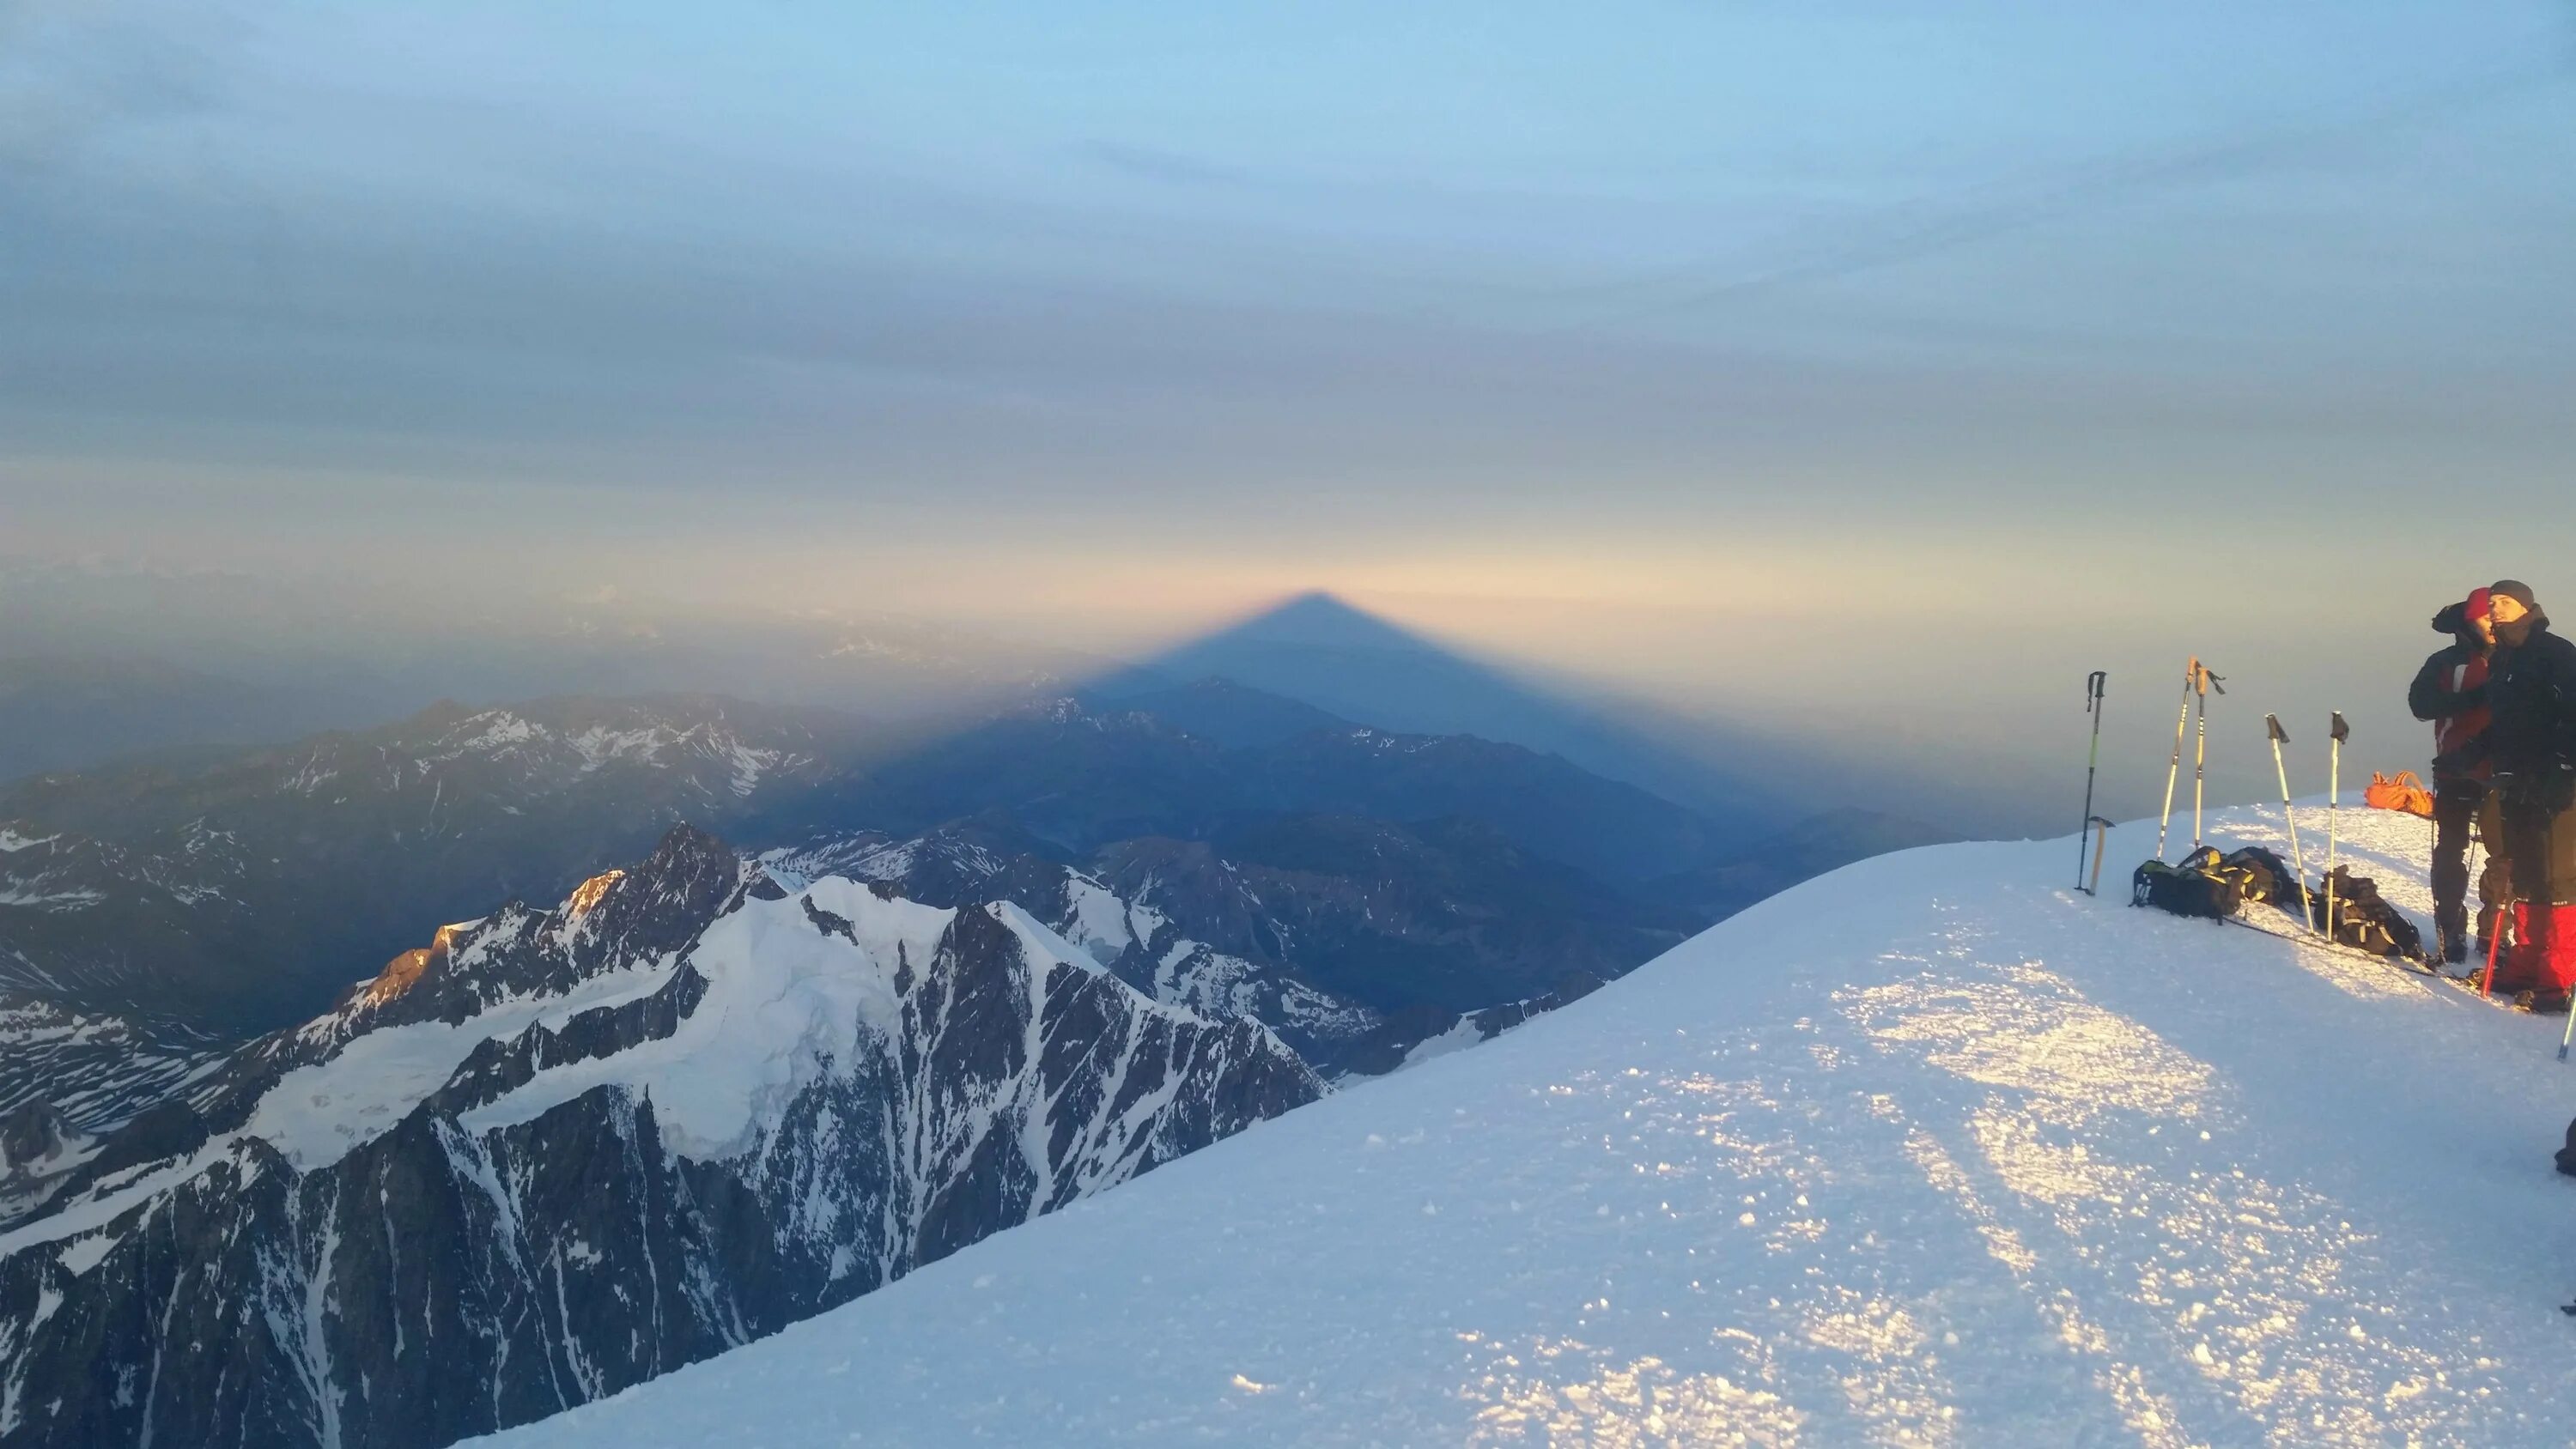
(1104, 924)
(785, 1001)
(317, 1113)
(1931, 1150)
(1460, 1036)
(71, 900)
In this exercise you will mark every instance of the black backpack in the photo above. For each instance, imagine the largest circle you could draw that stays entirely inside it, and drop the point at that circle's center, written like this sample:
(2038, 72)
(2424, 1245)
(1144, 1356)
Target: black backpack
(2199, 885)
(2362, 919)
(2267, 877)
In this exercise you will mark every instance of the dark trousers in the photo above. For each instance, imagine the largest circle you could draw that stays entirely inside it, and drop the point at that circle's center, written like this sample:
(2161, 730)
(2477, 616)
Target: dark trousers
(2457, 804)
(2540, 850)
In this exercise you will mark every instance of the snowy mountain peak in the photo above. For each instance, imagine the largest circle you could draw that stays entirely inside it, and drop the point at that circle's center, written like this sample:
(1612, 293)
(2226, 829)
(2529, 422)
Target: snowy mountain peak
(577, 1147)
(612, 922)
(580, 737)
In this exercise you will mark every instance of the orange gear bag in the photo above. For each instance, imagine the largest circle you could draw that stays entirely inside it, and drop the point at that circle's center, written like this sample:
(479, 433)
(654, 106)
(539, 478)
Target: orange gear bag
(2403, 793)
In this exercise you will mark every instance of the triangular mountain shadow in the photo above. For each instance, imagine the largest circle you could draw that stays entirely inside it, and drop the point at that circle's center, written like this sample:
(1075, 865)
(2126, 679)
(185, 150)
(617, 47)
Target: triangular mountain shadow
(1326, 654)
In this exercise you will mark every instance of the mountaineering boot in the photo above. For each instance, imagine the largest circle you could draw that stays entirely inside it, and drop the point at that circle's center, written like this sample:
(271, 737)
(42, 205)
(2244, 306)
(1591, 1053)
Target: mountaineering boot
(2455, 948)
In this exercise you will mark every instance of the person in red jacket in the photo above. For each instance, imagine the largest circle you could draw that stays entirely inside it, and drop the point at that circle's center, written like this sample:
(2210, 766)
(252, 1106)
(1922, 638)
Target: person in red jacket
(2450, 691)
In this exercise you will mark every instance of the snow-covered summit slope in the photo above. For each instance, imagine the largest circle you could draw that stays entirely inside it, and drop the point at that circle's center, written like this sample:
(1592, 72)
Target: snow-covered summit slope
(1928, 1151)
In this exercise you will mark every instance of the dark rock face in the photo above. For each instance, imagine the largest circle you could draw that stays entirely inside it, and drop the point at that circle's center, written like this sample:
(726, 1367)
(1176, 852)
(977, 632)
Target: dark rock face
(93, 1071)
(573, 1207)
(81, 921)
(39, 1153)
(32, 1132)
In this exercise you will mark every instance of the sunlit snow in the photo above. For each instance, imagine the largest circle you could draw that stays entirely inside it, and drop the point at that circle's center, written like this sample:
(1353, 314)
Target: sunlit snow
(1929, 1151)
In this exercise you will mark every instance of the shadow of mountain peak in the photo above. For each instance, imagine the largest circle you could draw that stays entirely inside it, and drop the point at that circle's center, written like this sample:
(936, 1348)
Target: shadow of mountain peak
(1348, 664)
(1316, 620)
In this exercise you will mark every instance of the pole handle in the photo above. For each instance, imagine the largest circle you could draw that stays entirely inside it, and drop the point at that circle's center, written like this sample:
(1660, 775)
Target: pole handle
(2341, 731)
(2272, 723)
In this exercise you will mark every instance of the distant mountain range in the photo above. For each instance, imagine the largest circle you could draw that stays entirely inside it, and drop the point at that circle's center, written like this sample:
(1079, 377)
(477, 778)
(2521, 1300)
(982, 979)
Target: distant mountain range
(103, 659)
(276, 875)
(150, 913)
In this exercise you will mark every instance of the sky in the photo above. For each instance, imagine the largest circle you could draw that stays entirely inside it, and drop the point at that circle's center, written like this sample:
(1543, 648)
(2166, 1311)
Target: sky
(1870, 368)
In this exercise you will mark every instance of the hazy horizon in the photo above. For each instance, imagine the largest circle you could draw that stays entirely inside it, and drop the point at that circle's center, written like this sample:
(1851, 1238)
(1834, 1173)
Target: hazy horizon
(1859, 380)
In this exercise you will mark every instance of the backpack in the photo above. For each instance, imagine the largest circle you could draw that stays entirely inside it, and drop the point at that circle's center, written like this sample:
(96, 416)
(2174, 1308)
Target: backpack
(2403, 793)
(2199, 885)
(2267, 878)
(2362, 919)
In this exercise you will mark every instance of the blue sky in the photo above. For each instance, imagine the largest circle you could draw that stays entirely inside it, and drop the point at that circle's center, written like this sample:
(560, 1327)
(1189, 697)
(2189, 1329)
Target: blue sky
(1603, 335)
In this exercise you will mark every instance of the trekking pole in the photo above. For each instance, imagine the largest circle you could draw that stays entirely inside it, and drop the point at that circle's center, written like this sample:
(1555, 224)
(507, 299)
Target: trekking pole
(2093, 706)
(2298, 861)
(2336, 735)
(2200, 758)
(2190, 676)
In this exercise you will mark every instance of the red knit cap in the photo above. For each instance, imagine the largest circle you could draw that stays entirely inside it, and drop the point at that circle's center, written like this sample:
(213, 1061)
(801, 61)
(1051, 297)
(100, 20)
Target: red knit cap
(2479, 600)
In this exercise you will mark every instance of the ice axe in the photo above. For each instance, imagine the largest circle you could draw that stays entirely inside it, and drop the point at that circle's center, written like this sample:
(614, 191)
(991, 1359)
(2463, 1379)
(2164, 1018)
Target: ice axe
(2093, 684)
(2101, 843)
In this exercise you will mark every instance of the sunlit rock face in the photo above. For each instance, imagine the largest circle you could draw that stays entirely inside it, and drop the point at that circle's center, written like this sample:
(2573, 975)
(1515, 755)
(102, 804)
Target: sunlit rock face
(558, 1152)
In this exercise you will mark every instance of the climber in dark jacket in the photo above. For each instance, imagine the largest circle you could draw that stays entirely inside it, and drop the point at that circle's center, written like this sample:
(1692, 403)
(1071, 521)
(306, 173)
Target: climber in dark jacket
(2531, 735)
(2450, 691)
(2531, 743)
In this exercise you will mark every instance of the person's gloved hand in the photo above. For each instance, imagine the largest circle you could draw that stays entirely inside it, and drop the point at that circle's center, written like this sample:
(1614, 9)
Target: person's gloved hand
(2555, 789)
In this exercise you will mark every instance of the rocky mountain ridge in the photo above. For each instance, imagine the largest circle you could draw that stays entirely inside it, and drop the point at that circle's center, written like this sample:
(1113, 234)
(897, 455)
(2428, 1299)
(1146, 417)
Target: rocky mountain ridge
(556, 1152)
